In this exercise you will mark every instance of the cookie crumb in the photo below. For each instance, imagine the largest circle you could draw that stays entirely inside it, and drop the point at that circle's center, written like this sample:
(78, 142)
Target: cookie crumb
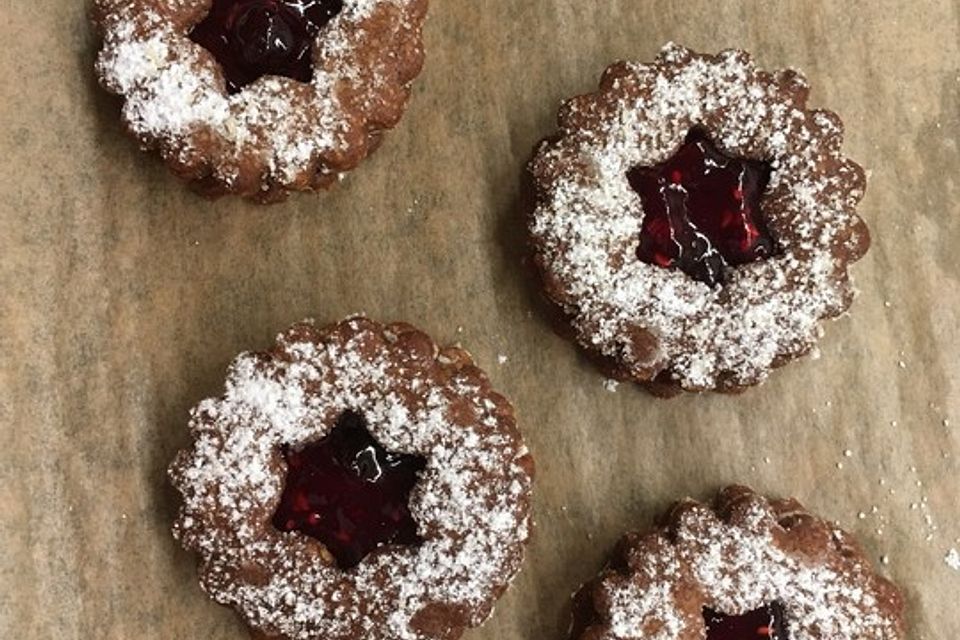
(611, 385)
(952, 559)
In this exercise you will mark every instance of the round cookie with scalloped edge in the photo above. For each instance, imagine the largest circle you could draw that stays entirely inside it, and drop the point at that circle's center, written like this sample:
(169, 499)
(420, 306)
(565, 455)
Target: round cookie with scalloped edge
(744, 568)
(695, 221)
(260, 97)
(355, 482)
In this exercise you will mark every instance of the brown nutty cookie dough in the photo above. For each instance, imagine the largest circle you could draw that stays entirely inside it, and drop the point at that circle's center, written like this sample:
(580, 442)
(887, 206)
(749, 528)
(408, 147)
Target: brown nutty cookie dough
(281, 412)
(746, 567)
(274, 134)
(658, 295)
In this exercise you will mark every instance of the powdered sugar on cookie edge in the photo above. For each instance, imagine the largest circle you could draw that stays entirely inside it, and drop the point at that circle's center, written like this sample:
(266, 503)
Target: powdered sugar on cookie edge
(739, 568)
(174, 97)
(587, 225)
(473, 531)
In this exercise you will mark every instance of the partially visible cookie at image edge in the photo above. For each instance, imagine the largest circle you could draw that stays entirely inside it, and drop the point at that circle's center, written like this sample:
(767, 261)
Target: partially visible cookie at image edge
(260, 97)
(744, 568)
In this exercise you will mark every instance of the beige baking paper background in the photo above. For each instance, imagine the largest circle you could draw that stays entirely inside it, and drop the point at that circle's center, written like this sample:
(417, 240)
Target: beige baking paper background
(123, 297)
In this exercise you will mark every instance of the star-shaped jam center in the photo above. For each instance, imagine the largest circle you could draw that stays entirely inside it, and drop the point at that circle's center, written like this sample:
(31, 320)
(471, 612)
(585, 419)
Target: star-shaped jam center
(254, 38)
(349, 493)
(765, 623)
(702, 210)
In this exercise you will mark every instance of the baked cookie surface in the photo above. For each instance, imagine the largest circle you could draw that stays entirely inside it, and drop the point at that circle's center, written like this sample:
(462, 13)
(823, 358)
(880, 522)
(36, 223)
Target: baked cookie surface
(745, 568)
(695, 221)
(355, 482)
(260, 97)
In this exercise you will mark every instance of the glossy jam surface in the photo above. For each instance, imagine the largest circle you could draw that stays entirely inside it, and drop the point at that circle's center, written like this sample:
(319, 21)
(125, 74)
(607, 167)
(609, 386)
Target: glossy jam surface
(254, 38)
(766, 623)
(702, 210)
(349, 492)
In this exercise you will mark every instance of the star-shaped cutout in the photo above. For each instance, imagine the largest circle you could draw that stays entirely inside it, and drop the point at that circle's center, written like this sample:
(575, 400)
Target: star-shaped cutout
(349, 493)
(254, 38)
(702, 210)
(766, 623)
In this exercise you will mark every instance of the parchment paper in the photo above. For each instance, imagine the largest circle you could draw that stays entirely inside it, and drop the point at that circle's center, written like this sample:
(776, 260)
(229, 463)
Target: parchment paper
(124, 296)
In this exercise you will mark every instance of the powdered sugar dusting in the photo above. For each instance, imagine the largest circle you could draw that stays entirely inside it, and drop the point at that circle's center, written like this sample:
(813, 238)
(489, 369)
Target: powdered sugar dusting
(738, 568)
(952, 559)
(470, 503)
(587, 225)
(175, 97)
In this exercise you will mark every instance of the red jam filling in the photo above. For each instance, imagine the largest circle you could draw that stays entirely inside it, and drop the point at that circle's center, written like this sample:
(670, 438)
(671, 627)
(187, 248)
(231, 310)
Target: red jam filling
(254, 38)
(766, 623)
(349, 493)
(702, 210)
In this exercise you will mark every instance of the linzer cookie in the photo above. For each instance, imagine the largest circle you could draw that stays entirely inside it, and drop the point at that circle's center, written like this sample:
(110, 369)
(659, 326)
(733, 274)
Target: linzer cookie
(695, 220)
(747, 568)
(355, 482)
(260, 97)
